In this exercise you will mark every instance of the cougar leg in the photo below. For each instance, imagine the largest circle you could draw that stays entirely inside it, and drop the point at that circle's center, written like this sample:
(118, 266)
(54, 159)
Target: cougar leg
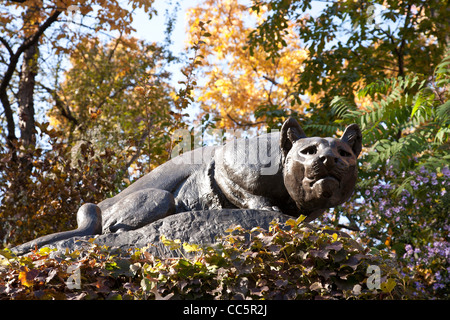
(137, 210)
(89, 220)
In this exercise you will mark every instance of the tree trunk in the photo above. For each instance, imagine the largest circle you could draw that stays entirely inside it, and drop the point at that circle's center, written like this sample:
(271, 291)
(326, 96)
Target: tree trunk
(26, 96)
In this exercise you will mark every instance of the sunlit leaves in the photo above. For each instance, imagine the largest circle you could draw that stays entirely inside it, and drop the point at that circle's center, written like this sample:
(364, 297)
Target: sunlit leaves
(26, 276)
(239, 89)
(172, 244)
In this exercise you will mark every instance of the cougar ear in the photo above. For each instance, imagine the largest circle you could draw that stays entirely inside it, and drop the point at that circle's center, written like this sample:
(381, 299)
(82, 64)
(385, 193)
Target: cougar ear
(290, 132)
(353, 137)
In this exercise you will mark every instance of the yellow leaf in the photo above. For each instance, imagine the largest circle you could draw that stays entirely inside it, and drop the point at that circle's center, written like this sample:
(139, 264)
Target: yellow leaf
(190, 247)
(172, 244)
(294, 223)
(301, 218)
(334, 236)
(291, 222)
(7, 253)
(45, 251)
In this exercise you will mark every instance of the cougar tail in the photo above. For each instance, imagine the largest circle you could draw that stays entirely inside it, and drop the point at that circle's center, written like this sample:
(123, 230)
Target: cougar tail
(89, 220)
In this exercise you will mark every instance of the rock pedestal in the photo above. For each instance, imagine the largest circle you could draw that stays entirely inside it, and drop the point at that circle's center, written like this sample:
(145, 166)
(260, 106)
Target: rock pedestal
(195, 227)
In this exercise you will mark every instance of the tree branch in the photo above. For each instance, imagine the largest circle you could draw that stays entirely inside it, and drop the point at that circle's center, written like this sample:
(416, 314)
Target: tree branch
(139, 147)
(400, 52)
(246, 124)
(13, 60)
(352, 228)
(7, 46)
(59, 103)
(24, 46)
(9, 117)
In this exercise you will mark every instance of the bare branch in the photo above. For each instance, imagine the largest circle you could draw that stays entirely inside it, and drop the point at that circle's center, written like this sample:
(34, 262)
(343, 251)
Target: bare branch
(352, 228)
(7, 46)
(273, 81)
(59, 103)
(245, 124)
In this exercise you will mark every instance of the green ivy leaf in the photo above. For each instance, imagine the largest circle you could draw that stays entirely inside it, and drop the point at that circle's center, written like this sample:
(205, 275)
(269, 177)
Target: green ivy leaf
(388, 286)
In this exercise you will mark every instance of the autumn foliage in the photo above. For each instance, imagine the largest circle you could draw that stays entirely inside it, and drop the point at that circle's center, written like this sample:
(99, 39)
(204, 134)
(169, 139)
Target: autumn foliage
(106, 115)
(238, 89)
(290, 261)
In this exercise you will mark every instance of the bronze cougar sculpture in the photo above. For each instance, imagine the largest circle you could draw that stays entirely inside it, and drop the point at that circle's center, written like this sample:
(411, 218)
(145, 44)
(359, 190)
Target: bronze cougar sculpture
(283, 171)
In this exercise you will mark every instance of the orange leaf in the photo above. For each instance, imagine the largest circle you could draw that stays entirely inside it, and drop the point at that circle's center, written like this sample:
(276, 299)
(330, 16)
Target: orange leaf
(388, 241)
(26, 278)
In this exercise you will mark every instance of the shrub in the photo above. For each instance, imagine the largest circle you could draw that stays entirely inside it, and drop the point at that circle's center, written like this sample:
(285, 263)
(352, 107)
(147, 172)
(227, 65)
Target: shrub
(46, 199)
(290, 261)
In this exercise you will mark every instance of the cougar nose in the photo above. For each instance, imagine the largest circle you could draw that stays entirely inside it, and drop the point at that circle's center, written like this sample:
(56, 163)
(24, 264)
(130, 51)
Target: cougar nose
(328, 160)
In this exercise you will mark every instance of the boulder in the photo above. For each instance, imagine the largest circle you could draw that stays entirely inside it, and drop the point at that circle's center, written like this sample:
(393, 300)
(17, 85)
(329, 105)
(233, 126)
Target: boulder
(195, 227)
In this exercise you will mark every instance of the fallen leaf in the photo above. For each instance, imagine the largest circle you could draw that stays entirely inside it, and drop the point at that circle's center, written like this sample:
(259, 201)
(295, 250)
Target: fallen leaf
(316, 286)
(26, 276)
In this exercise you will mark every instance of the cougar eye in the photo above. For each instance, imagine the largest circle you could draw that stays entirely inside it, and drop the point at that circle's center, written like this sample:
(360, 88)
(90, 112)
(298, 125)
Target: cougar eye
(344, 153)
(310, 150)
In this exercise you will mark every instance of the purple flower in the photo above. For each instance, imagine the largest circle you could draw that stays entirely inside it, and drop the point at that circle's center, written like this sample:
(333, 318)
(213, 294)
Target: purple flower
(409, 249)
(397, 209)
(388, 213)
(423, 170)
(406, 193)
(414, 184)
(446, 172)
(437, 286)
(404, 200)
